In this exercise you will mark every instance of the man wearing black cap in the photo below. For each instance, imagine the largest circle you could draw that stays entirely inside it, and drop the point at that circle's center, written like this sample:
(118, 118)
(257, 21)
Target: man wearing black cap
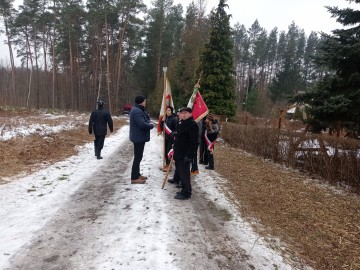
(140, 126)
(99, 119)
(184, 148)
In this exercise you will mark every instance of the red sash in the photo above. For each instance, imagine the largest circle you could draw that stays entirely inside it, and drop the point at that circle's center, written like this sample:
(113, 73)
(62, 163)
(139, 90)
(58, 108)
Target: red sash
(210, 145)
(167, 129)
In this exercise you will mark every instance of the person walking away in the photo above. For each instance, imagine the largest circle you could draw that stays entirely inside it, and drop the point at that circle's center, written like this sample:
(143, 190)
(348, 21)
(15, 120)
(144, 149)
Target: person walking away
(203, 153)
(99, 120)
(184, 147)
(212, 132)
(168, 124)
(140, 127)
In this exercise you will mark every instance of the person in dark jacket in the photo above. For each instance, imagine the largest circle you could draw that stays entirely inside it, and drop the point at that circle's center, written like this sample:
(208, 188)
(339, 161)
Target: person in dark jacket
(140, 127)
(212, 132)
(203, 154)
(99, 120)
(170, 126)
(194, 164)
(185, 144)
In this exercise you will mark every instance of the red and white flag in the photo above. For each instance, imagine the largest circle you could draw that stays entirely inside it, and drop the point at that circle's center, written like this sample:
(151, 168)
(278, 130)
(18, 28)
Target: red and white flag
(196, 102)
(167, 100)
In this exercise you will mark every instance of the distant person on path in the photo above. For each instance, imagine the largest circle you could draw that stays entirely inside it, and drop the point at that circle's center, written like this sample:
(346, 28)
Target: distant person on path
(140, 127)
(184, 147)
(99, 120)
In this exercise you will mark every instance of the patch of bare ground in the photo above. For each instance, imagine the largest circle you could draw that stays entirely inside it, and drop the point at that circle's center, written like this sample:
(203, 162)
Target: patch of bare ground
(24, 155)
(318, 224)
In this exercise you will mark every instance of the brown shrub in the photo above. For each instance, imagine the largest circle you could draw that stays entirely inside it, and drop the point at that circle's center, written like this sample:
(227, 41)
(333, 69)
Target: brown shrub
(337, 160)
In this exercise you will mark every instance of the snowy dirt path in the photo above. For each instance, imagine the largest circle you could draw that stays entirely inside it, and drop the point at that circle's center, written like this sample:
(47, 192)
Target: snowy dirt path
(83, 213)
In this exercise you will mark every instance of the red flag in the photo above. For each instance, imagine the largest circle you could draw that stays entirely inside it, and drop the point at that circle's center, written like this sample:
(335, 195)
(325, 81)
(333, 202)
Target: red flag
(200, 110)
(196, 102)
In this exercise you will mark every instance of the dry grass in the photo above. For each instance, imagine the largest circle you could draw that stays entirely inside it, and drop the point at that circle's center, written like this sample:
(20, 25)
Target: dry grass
(25, 154)
(318, 224)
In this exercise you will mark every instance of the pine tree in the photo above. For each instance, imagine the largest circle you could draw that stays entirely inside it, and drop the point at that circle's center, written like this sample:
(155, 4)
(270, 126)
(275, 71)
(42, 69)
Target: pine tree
(217, 83)
(288, 79)
(335, 102)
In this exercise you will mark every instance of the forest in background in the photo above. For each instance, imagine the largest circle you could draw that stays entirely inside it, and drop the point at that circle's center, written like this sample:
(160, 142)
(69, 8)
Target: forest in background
(72, 52)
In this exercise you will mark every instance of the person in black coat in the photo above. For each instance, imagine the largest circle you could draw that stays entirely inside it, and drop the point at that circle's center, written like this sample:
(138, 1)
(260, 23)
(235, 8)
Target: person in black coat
(212, 132)
(170, 126)
(140, 127)
(99, 120)
(185, 144)
(203, 154)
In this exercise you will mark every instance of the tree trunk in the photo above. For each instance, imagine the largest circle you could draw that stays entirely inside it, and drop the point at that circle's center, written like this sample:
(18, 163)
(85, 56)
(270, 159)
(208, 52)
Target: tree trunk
(107, 63)
(119, 60)
(29, 56)
(15, 97)
(71, 72)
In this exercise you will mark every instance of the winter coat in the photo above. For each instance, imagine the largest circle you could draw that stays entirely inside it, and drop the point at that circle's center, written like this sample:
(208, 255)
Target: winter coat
(213, 132)
(140, 124)
(98, 120)
(186, 140)
(171, 122)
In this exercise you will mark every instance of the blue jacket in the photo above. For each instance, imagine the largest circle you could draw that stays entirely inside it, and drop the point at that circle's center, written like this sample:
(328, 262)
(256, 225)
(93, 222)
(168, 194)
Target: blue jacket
(140, 124)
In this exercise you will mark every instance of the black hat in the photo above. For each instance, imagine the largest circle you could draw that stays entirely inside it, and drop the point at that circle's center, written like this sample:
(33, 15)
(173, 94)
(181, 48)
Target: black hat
(139, 99)
(100, 102)
(186, 109)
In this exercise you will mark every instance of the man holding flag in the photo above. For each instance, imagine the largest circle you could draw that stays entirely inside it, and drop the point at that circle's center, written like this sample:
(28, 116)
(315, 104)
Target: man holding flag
(199, 111)
(184, 147)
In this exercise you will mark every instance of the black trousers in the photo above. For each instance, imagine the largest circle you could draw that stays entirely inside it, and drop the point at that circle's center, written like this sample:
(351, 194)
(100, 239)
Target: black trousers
(203, 155)
(183, 171)
(194, 164)
(210, 158)
(99, 144)
(138, 155)
(168, 146)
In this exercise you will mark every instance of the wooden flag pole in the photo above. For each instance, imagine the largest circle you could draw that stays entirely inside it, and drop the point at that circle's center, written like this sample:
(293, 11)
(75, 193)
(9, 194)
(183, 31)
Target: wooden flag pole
(167, 172)
(164, 109)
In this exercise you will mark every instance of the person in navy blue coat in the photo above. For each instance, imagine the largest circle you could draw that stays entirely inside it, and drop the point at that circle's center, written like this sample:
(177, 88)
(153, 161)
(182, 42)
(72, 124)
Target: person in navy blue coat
(140, 127)
(99, 120)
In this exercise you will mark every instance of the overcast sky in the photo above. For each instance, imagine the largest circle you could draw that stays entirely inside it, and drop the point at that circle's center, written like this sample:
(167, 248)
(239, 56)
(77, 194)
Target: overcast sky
(310, 15)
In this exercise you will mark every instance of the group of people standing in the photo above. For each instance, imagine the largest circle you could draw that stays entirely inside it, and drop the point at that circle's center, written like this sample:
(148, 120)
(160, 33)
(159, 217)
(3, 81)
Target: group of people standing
(182, 135)
(185, 137)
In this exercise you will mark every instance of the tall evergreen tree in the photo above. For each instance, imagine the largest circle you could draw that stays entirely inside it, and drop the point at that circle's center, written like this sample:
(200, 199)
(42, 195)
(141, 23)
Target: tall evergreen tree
(183, 67)
(241, 58)
(288, 79)
(218, 83)
(335, 102)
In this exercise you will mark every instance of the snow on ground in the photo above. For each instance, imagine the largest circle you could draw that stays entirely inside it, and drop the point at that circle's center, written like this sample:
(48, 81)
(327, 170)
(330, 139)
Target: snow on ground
(20, 127)
(29, 203)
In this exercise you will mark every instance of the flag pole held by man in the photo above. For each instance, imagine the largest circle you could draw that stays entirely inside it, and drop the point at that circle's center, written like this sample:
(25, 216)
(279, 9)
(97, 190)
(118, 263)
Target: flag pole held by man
(165, 123)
